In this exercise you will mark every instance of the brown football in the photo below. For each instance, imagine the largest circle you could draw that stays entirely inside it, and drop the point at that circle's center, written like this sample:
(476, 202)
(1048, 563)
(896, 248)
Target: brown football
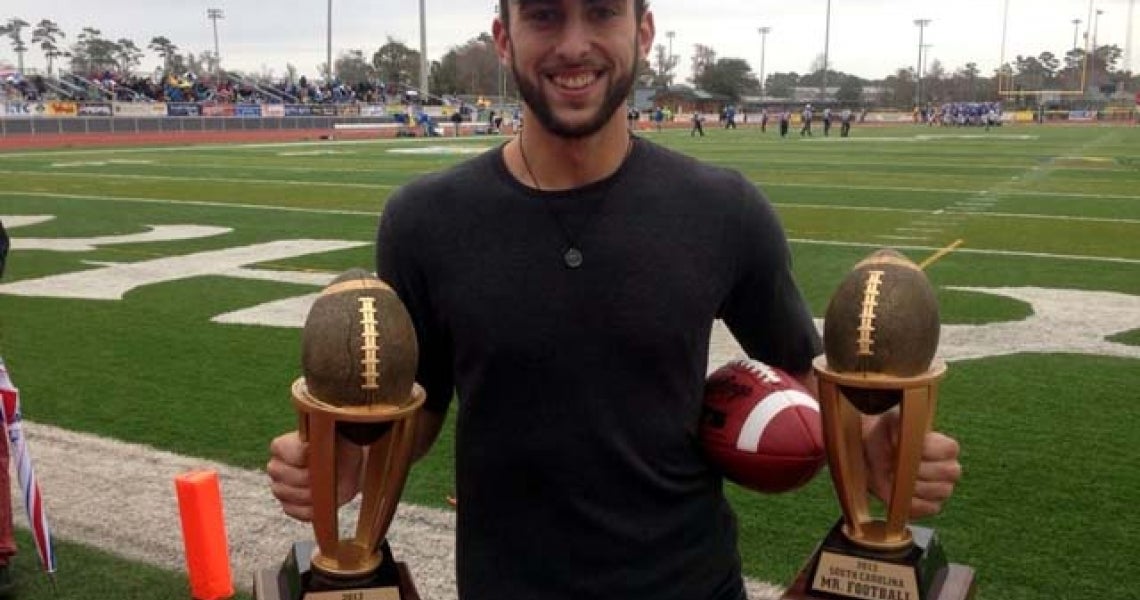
(883, 319)
(359, 346)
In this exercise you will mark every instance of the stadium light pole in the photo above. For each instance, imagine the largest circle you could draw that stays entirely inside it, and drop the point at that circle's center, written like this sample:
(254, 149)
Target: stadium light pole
(826, 46)
(1128, 44)
(1076, 26)
(670, 35)
(499, 81)
(328, 49)
(763, 43)
(921, 23)
(1004, 30)
(214, 14)
(925, 56)
(1085, 66)
(1092, 55)
(1096, 26)
(424, 91)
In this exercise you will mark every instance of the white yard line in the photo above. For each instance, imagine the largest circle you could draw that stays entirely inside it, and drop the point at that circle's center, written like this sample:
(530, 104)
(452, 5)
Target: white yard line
(266, 146)
(980, 251)
(904, 238)
(927, 211)
(285, 182)
(330, 211)
(926, 190)
(268, 207)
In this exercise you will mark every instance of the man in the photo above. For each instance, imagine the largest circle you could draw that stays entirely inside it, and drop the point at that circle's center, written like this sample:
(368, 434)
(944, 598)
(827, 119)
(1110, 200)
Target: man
(805, 117)
(730, 117)
(457, 119)
(845, 127)
(564, 286)
(697, 119)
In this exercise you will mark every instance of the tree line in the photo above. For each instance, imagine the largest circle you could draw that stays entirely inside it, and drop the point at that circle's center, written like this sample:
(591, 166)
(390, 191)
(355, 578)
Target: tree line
(92, 52)
(733, 77)
(473, 68)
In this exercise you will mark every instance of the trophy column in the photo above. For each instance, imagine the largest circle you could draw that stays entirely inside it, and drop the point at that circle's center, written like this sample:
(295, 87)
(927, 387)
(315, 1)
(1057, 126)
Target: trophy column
(842, 422)
(880, 336)
(359, 362)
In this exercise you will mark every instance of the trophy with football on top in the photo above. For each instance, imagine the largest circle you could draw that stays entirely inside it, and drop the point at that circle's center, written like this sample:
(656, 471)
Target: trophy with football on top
(880, 335)
(359, 356)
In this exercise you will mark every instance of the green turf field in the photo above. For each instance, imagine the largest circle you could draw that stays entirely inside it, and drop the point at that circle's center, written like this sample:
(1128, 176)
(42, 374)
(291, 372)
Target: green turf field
(1047, 421)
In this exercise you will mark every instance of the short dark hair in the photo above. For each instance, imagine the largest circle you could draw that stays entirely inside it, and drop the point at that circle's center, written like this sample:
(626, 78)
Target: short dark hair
(639, 8)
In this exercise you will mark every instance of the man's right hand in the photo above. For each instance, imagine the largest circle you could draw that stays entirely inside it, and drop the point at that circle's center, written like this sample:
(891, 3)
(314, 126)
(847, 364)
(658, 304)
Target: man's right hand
(288, 470)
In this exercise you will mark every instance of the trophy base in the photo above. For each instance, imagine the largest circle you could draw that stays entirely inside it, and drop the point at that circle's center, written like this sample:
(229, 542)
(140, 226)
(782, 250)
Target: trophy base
(842, 570)
(297, 580)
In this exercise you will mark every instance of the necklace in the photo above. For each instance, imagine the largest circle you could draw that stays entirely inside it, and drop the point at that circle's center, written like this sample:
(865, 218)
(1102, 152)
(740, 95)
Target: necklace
(572, 255)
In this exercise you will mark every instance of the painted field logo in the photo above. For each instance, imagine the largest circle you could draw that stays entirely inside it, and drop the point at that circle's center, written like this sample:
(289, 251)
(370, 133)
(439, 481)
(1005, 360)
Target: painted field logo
(1062, 321)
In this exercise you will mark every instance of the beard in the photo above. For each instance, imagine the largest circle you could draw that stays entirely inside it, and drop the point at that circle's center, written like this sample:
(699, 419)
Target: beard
(615, 95)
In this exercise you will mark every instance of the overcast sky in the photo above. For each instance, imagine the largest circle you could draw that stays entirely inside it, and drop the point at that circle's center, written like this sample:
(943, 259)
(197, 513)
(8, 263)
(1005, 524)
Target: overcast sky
(869, 38)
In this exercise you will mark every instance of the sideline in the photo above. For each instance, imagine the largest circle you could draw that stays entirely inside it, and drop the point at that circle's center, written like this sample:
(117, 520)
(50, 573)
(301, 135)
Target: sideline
(120, 497)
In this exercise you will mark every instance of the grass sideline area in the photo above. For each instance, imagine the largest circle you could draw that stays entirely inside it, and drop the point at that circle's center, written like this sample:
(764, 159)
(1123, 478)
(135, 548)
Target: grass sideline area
(1046, 506)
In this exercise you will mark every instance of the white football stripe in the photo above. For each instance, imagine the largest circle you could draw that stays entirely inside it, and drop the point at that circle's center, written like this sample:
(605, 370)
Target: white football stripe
(765, 411)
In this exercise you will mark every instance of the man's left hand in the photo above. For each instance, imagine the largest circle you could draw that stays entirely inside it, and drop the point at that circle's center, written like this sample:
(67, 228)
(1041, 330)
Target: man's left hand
(938, 472)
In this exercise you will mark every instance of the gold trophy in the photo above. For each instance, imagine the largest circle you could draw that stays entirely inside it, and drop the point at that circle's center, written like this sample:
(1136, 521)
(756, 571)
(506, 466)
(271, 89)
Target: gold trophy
(880, 335)
(359, 357)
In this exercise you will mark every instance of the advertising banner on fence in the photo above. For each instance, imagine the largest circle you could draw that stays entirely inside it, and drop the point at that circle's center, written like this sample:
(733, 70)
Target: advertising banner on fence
(183, 109)
(61, 109)
(323, 110)
(273, 110)
(297, 110)
(217, 110)
(247, 110)
(1020, 116)
(24, 109)
(1081, 115)
(139, 109)
(95, 109)
(373, 110)
(348, 110)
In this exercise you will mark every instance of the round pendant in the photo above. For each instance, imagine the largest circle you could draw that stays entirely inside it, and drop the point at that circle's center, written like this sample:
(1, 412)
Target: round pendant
(573, 258)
